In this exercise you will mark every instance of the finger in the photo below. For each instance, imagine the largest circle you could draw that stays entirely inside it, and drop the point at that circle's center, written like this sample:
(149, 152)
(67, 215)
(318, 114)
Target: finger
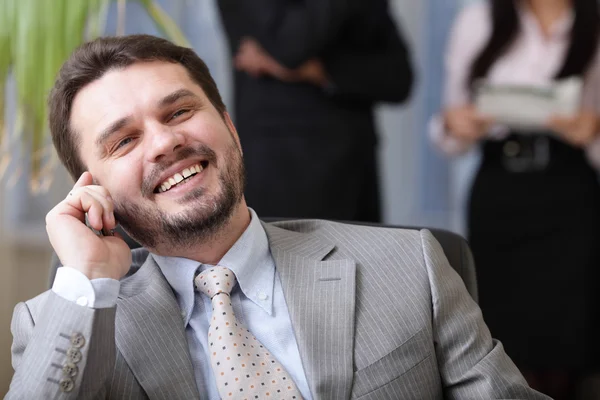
(108, 217)
(465, 132)
(93, 208)
(101, 190)
(481, 118)
(82, 201)
(84, 180)
(583, 137)
(471, 112)
(483, 125)
(239, 62)
(563, 123)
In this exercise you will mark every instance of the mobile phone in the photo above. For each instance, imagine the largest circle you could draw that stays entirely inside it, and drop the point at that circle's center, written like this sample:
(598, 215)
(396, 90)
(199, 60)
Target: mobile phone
(103, 232)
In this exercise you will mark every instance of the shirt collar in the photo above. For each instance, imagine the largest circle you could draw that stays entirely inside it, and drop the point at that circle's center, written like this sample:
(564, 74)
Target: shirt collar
(561, 29)
(249, 258)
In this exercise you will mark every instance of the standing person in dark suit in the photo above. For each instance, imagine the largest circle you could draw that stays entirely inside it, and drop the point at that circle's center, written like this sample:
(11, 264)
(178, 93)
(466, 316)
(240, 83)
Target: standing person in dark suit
(308, 76)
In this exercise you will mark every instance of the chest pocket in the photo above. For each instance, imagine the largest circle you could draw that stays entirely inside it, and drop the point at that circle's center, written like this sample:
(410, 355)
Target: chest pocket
(412, 354)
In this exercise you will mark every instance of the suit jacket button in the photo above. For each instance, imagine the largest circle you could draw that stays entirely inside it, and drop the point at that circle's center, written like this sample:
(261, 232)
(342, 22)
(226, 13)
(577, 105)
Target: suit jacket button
(74, 355)
(66, 385)
(77, 340)
(70, 369)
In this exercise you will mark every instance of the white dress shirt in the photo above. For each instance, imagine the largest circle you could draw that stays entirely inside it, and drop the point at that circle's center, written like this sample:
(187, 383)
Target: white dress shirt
(533, 58)
(257, 300)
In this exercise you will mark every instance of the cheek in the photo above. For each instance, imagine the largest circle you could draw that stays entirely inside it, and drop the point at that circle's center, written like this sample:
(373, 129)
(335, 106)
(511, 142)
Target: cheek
(121, 179)
(212, 132)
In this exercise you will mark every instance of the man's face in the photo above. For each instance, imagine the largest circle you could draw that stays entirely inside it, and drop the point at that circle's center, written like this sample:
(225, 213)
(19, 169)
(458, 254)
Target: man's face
(144, 128)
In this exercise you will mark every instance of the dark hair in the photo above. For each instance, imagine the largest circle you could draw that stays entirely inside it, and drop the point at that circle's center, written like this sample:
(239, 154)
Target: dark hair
(505, 28)
(92, 60)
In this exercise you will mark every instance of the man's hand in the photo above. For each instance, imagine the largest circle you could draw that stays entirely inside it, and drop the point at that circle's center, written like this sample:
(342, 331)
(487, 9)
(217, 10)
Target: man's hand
(76, 245)
(466, 123)
(255, 61)
(579, 130)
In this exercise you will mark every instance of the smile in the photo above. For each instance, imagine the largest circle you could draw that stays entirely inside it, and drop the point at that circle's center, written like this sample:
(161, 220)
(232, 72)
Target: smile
(180, 177)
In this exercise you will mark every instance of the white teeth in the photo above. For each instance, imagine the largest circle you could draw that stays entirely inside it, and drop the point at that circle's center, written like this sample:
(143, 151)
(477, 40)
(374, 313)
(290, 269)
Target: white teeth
(179, 177)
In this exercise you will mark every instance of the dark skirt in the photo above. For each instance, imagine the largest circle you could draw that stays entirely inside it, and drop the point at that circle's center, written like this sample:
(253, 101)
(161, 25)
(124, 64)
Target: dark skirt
(534, 228)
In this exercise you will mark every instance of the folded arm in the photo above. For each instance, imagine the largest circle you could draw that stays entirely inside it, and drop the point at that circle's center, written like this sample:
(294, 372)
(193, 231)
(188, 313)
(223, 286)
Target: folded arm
(294, 32)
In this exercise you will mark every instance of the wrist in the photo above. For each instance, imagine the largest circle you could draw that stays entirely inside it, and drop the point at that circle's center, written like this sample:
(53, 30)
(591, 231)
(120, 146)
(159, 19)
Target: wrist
(95, 272)
(72, 285)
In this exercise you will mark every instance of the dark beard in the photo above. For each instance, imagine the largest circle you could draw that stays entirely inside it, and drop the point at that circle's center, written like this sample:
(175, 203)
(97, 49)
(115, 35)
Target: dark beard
(153, 228)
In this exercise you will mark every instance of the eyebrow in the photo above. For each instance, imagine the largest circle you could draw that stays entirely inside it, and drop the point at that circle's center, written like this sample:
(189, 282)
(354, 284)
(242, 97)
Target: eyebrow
(120, 123)
(175, 96)
(112, 129)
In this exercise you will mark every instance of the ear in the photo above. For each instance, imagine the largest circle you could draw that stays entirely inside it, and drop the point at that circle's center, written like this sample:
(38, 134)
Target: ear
(233, 131)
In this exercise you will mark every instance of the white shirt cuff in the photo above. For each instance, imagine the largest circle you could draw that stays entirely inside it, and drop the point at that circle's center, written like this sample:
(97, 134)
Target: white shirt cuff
(445, 142)
(72, 285)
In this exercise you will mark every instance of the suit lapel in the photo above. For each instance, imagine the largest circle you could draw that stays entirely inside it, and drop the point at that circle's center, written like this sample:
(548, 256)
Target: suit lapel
(320, 296)
(151, 336)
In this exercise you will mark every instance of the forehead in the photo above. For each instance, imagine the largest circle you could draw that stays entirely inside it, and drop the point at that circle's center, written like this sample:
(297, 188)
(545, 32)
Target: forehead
(129, 91)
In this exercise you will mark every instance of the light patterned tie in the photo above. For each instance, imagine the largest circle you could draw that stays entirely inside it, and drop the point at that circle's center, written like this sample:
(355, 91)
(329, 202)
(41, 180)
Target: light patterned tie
(243, 367)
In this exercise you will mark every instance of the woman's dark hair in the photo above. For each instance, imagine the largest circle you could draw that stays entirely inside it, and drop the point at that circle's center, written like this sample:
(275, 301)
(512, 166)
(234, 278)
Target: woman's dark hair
(505, 28)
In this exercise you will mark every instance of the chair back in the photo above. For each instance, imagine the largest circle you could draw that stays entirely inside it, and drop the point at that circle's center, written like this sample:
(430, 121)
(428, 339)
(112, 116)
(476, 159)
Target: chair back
(455, 248)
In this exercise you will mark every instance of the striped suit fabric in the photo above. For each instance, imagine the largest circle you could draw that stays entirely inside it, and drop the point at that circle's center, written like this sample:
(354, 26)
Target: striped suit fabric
(378, 314)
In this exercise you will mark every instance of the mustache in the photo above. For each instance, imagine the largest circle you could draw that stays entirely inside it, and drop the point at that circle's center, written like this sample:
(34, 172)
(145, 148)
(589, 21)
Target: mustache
(203, 151)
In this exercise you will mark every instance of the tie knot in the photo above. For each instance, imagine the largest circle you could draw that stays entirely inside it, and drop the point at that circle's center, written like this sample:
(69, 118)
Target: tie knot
(215, 280)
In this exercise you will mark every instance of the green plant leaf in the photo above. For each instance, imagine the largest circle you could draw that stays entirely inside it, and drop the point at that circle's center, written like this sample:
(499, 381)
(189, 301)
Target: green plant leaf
(36, 37)
(165, 23)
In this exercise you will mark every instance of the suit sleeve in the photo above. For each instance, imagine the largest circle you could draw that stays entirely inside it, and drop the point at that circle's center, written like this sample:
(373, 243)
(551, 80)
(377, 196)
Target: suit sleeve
(381, 73)
(293, 32)
(471, 363)
(63, 351)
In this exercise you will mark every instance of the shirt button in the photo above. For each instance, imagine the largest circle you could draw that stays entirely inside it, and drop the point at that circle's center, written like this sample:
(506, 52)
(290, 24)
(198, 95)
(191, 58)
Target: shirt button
(82, 301)
(262, 295)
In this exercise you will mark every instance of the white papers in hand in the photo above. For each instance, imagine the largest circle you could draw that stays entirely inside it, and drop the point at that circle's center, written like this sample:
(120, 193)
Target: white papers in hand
(528, 107)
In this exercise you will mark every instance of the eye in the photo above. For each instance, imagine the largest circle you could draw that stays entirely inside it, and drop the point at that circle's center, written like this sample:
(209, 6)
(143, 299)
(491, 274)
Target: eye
(124, 142)
(179, 113)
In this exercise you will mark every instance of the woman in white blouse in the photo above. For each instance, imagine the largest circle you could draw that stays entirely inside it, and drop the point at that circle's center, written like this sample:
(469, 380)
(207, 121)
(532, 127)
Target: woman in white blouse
(534, 210)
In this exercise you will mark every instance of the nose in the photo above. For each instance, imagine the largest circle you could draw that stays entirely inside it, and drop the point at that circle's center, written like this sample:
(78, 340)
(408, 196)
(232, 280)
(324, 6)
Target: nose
(163, 141)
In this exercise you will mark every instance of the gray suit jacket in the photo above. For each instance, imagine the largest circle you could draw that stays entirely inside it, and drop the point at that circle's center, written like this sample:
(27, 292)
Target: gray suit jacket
(378, 314)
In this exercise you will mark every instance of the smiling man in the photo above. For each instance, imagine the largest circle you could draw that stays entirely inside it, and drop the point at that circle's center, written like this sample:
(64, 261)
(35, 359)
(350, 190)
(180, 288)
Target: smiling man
(218, 304)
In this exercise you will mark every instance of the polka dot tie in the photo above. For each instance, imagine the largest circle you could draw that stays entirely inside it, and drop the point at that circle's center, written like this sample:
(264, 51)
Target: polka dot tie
(243, 367)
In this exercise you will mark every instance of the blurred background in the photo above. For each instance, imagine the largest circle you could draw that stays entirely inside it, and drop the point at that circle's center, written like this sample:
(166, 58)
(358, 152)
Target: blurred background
(418, 185)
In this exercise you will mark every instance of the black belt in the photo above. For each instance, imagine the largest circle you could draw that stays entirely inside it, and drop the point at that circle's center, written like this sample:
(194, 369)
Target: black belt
(520, 153)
